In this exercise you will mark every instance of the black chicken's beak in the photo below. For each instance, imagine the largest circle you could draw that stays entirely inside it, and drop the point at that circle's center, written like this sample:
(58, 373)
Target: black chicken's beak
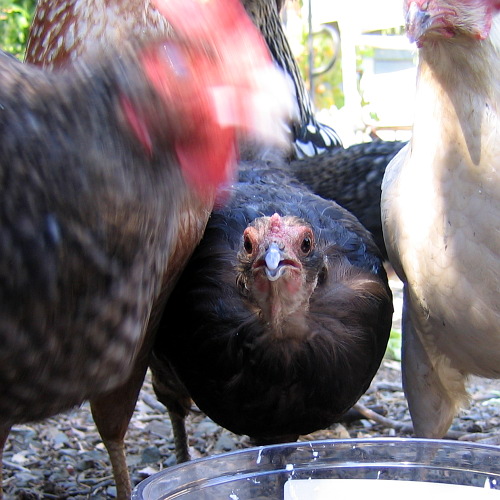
(273, 259)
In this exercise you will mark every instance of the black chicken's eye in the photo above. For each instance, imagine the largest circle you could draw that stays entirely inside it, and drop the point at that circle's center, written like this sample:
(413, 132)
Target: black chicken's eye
(247, 245)
(306, 245)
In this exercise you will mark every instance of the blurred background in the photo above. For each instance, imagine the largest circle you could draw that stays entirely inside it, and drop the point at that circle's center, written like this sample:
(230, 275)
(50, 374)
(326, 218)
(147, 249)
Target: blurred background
(15, 19)
(360, 63)
(354, 56)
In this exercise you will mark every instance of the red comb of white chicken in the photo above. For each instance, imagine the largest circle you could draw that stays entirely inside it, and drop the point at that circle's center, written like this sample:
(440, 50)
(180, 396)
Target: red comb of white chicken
(233, 85)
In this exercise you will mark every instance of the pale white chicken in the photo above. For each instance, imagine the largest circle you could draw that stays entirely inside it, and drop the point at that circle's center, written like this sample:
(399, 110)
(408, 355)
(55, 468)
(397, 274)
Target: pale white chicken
(441, 209)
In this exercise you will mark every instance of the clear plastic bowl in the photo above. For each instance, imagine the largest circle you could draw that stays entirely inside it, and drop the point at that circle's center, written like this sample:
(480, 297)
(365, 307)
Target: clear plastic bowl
(275, 472)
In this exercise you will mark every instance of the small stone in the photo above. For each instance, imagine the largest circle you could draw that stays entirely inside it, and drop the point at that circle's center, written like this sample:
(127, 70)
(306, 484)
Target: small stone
(341, 432)
(150, 455)
(158, 428)
(206, 428)
(225, 443)
(60, 439)
(88, 460)
(111, 491)
(474, 428)
(170, 460)
(147, 471)
(19, 458)
(26, 477)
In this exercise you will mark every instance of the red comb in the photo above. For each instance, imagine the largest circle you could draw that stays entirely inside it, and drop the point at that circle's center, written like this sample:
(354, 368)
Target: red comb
(222, 83)
(217, 73)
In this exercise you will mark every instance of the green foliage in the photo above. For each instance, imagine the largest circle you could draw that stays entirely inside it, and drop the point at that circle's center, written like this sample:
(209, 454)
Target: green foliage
(328, 90)
(328, 86)
(394, 346)
(15, 19)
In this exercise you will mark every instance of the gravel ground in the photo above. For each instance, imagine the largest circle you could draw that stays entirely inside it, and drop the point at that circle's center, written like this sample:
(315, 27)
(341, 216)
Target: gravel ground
(63, 457)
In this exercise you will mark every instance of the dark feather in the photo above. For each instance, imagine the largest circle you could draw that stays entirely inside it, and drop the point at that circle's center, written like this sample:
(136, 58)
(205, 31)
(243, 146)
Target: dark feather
(353, 178)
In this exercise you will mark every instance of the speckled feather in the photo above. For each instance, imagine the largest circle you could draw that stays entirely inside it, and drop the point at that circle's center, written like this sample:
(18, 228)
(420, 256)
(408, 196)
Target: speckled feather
(353, 178)
(63, 31)
(311, 137)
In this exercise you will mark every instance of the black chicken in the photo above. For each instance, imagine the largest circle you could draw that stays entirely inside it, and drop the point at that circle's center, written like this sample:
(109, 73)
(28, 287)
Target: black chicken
(97, 214)
(285, 312)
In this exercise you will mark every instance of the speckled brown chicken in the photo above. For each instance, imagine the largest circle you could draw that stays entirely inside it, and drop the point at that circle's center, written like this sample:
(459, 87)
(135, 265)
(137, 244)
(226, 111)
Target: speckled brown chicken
(96, 219)
(82, 254)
